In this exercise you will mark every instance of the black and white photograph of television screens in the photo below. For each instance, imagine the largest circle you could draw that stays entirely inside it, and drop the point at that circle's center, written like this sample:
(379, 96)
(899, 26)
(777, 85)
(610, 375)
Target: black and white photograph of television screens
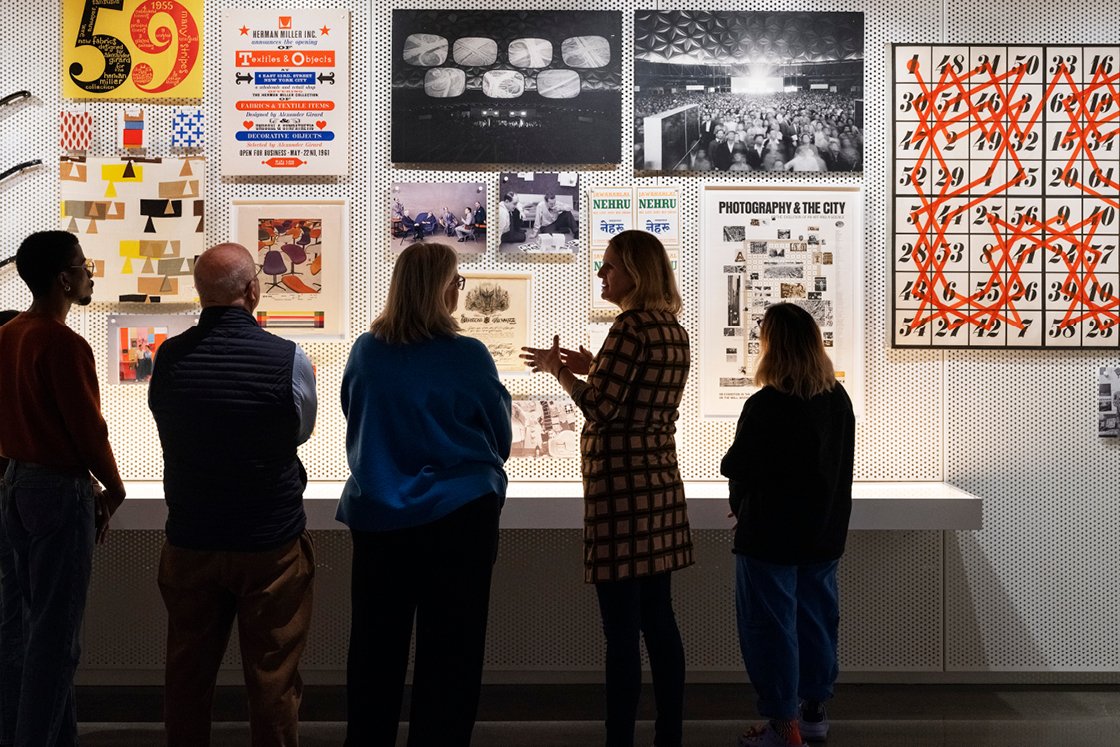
(506, 87)
(747, 91)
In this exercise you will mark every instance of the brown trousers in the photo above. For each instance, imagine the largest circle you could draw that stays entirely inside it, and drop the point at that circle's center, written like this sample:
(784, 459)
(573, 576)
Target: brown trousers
(270, 595)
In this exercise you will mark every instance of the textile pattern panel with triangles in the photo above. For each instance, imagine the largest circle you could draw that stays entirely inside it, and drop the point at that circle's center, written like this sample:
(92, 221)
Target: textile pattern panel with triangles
(140, 220)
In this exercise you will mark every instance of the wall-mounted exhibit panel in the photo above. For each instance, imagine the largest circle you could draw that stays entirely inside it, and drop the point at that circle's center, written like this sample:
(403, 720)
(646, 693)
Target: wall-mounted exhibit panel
(765, 245)
(1006, 222)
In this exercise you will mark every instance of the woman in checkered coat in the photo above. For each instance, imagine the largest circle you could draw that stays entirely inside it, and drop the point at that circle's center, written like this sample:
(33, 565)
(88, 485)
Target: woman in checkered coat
(635, 520)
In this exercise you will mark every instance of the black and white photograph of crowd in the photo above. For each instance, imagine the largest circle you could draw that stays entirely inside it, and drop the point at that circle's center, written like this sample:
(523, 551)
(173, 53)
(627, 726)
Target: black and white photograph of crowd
(748, 91)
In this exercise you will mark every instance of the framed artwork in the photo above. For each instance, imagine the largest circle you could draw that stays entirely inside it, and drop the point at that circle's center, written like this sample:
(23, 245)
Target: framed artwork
(1108, 401)
(764, 245)
(134, 341)
(285, 91)
(449, 212)
(131, 133)
(188, 127)
(132, 49)
(140, 220)
(506, 86)
(496, 308)
(747, 91)
(75, 129)
(301, 252)
(1005, 228)
(538, 213)
(545, 429)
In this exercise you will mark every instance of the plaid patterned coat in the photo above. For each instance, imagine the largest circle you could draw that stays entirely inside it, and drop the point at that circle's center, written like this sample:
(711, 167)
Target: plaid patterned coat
(635, 518)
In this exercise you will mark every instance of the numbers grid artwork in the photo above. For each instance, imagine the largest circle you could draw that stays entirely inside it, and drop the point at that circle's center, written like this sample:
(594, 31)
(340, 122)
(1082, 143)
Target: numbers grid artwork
(1005, 182)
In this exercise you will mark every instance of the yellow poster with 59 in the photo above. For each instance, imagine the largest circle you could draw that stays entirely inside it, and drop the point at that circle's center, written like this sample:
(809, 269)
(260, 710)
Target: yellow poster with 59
(132, 49)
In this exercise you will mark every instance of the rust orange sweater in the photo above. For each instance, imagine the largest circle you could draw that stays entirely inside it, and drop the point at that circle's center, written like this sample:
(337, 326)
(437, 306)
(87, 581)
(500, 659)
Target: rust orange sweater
(50, 407)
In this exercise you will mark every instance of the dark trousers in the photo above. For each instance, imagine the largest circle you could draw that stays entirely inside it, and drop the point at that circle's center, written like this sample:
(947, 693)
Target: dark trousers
(789, 621)
(566, 222)
(11, 636)
(634, 608)
(48, 516)
(270, 594)
(516, 232)
(438, 573)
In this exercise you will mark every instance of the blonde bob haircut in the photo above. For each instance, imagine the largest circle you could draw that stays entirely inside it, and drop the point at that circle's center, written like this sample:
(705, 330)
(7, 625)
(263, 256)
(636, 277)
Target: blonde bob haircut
(647, 263)
(415, 308)
(793, 357)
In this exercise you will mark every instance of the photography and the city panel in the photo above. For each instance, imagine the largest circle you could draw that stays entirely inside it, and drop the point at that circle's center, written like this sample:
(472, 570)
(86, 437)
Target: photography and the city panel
(748, 91)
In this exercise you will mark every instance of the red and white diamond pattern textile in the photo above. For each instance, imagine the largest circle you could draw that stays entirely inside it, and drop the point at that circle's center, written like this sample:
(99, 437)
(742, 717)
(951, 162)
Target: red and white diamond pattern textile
(76, 129)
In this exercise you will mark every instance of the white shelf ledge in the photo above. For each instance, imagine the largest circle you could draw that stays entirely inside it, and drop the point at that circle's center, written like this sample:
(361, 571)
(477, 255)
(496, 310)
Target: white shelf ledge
(559, 505)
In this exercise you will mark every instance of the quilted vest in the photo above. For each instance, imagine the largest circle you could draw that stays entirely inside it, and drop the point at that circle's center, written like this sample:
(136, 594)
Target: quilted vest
(221, 394)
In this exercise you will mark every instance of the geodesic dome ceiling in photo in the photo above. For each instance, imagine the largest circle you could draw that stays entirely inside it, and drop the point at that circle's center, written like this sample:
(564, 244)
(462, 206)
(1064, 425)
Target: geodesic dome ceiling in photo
(703, 37)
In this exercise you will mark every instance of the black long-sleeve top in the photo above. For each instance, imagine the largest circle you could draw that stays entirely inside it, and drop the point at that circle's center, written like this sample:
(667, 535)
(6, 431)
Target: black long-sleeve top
(790, 468)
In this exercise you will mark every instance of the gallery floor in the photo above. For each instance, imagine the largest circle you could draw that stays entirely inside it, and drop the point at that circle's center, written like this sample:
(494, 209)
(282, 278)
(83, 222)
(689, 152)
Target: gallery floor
(568, 716)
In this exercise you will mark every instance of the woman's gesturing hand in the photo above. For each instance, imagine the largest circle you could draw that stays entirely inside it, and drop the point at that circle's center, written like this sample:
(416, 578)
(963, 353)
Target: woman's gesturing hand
(544, 359)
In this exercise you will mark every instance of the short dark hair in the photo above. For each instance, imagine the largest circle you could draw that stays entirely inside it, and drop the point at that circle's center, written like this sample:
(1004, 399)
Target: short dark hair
(507, 197)
(42, 256)
(549, 195)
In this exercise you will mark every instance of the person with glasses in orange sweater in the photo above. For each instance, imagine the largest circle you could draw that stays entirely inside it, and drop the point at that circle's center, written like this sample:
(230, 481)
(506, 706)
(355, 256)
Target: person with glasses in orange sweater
(54, 436)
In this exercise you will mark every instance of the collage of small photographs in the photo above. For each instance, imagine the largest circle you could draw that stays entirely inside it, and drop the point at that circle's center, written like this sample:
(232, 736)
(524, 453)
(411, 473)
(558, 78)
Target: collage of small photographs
(713, 93)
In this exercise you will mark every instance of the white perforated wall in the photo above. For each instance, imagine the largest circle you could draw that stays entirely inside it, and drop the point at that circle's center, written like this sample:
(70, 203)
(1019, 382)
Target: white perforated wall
(1032, 591)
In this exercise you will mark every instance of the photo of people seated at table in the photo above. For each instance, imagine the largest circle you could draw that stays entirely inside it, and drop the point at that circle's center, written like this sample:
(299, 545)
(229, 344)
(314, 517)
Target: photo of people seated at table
(448, 213)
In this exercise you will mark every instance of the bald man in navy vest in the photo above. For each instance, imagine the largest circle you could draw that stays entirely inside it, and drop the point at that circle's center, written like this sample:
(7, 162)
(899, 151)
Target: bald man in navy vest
(232, 403)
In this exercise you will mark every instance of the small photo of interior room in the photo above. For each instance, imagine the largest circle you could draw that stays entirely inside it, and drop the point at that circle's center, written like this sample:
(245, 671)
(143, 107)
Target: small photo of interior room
(545, 429)
(454, 214)
(134, 341)
(538, 213)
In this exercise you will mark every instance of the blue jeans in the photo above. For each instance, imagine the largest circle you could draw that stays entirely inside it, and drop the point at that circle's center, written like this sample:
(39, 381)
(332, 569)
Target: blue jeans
(632, 609)
(789, 618)
(48, 515)
(11, 635)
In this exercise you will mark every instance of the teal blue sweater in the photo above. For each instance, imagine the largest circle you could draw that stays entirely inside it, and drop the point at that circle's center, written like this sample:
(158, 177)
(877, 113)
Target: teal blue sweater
(427, 431)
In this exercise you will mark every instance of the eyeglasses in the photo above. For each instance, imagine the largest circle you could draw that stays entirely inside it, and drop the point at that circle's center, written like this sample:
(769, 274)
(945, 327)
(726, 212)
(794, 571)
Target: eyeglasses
(89, 266)
(460, 282)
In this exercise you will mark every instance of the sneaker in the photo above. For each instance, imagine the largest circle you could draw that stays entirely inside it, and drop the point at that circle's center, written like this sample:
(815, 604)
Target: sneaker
(763, 735)
(813, 721)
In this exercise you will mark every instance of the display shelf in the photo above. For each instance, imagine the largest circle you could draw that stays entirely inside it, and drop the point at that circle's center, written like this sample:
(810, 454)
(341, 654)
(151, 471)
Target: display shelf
(559, 505)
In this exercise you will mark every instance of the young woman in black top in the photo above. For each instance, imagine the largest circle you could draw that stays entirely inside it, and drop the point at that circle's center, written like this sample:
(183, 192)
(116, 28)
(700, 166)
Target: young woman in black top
(790, 470)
